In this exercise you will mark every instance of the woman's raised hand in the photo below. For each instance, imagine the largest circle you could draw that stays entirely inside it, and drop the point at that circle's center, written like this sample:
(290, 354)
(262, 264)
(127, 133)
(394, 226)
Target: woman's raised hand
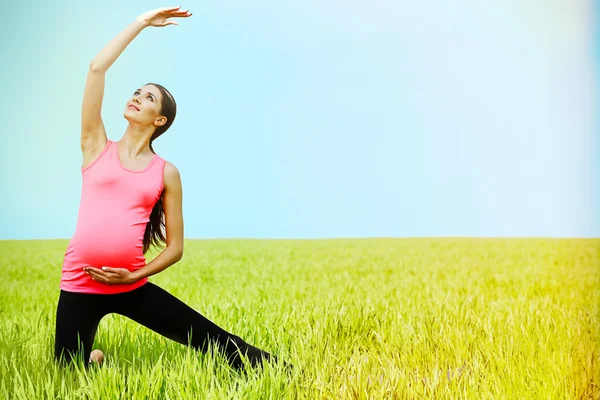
(160, 16)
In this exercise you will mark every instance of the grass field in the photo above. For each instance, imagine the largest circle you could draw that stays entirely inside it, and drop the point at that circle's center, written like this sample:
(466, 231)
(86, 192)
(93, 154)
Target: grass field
(364, 319)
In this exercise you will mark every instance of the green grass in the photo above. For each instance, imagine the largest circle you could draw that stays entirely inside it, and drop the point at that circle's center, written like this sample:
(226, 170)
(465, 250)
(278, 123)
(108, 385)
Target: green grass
(365, 319)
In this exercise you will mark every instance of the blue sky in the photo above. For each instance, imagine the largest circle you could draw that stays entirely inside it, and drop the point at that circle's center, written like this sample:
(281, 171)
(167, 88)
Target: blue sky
(322, 119)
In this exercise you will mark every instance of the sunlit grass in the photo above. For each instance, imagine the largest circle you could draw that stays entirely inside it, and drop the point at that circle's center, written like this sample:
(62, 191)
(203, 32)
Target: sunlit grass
(365, 319)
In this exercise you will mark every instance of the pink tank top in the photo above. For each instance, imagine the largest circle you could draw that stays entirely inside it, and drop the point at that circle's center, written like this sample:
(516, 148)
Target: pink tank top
(115, 207)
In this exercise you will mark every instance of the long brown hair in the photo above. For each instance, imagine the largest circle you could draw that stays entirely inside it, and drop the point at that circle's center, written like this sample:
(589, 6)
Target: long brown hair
(155, 229)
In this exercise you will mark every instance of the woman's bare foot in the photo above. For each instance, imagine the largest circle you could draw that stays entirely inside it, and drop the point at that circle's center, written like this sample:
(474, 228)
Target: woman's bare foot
(96, 357)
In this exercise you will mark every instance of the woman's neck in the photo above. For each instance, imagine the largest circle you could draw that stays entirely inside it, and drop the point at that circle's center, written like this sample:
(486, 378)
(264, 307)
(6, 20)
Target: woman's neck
(136, 140)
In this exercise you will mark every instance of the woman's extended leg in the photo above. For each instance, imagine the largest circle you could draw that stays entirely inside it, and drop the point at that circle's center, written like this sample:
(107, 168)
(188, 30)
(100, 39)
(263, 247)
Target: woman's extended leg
(162, 312)
(77, 318)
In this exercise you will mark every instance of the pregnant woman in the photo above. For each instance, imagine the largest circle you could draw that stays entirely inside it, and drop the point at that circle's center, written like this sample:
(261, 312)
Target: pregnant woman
(131, 199)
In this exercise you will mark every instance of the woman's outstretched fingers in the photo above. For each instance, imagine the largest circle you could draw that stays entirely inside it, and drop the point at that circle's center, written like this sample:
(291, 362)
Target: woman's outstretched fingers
(160, 16)
(178, 13)
(182, 14)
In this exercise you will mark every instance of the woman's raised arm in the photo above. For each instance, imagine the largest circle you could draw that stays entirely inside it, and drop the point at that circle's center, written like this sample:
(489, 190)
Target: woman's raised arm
(93, 134)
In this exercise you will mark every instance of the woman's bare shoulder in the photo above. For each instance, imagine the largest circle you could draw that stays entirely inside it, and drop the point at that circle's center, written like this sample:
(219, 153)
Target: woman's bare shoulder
(171, 174)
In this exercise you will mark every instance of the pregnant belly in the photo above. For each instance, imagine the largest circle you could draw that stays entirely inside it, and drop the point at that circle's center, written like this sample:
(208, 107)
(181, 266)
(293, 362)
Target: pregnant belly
(119, 250)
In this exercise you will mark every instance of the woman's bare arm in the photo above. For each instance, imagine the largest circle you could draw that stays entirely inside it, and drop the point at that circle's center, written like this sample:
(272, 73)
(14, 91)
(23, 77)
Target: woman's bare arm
(172, 206)
(93, 134)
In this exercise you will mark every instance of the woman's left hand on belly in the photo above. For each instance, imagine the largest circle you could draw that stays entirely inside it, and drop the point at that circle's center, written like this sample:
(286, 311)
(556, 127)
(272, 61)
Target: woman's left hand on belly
(110, 276)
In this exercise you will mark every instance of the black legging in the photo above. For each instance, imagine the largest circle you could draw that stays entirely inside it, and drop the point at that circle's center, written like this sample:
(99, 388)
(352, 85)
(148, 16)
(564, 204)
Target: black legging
(78, 315)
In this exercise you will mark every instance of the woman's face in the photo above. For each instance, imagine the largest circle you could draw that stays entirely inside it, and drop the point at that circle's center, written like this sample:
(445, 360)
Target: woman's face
(144, 107)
